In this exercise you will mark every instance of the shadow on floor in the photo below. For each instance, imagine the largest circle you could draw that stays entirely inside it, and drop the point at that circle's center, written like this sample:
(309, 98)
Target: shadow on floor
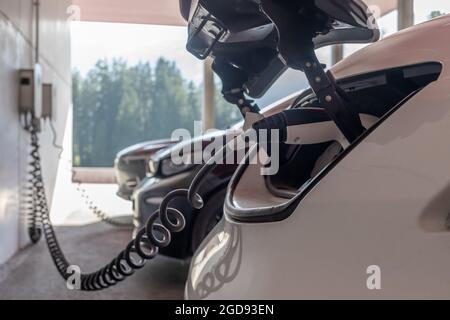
(32, 275)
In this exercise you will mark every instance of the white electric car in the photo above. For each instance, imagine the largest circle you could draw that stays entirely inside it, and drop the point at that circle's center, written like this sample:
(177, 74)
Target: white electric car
(365, 220)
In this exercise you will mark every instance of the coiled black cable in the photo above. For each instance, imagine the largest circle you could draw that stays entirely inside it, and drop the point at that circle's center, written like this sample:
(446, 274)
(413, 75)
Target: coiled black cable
(144, 247)
(34, 205)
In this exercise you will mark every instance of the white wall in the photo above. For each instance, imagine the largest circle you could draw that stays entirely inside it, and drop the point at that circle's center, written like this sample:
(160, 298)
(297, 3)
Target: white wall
(16, 52)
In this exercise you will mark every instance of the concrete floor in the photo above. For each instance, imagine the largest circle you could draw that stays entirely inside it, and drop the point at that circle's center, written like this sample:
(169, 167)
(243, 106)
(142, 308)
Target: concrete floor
(32, 275)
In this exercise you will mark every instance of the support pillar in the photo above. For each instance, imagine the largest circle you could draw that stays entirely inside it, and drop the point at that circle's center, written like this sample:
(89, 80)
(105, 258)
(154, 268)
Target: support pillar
(405, 14)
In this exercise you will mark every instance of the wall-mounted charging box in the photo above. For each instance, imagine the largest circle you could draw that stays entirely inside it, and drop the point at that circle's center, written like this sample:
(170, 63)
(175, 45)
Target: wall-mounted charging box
(30, 91)
(48, 98)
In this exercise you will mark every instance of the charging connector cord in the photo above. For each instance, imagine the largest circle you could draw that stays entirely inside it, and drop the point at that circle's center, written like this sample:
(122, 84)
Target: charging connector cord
(35, 193)
(156, 234)
(144, 247)
(159, 228)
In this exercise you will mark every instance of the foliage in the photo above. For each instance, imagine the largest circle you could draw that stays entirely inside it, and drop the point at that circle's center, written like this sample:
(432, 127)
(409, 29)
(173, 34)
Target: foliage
(435, 14)
(116, 105)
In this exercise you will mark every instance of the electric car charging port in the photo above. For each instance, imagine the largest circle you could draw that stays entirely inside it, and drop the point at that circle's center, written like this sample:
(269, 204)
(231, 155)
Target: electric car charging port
(256, 198)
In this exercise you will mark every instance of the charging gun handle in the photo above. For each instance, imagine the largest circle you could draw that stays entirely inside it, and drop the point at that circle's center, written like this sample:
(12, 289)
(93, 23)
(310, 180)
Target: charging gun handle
(296, 31)
(301, 126)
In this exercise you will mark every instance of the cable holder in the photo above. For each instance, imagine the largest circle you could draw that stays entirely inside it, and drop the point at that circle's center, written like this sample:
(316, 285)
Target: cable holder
(233, 85)
(237, 97)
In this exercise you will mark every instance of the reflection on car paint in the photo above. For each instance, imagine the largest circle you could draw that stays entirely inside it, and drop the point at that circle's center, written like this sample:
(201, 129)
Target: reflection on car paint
(225, 248)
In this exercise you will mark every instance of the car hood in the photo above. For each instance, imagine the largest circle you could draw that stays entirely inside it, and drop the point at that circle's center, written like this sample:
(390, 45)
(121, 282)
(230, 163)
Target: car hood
(145, 148)
(208, 138)
(205, 140)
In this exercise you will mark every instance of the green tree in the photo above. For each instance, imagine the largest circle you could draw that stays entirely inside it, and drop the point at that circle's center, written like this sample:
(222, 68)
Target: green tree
(116, 105)
(435, 14)
(170, 98)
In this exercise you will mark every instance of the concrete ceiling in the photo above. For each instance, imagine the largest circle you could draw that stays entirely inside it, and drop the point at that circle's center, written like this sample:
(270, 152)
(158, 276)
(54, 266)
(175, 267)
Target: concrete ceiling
(162, 12)
(385, 6)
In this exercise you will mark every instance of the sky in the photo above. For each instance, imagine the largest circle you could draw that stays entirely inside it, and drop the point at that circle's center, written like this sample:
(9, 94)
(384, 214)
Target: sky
(424, 7)
(132, 42)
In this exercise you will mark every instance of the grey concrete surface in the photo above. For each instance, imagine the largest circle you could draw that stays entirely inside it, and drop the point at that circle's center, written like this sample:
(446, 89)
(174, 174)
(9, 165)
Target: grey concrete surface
(31, 275)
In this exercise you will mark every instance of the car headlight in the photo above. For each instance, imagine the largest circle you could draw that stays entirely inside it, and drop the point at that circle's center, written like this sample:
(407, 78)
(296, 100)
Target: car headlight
(152, 167)
(169, 168)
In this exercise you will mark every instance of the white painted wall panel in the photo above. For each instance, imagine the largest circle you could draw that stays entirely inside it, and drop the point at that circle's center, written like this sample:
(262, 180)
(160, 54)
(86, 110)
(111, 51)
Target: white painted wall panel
(16, 52)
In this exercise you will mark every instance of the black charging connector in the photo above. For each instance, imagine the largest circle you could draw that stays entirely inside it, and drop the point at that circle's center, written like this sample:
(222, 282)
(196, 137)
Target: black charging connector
(291, 118)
